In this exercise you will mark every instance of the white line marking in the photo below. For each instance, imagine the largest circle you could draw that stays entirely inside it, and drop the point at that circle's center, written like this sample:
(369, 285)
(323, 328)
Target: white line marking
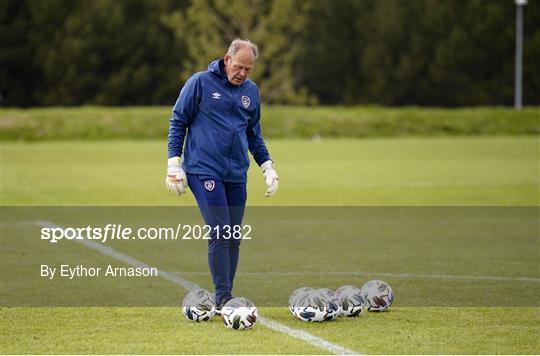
(187, 285)
(384, 274)
(307, 337)
(442, 183)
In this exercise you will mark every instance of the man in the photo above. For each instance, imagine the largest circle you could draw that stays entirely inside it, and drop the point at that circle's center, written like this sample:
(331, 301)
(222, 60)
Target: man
(220, 110)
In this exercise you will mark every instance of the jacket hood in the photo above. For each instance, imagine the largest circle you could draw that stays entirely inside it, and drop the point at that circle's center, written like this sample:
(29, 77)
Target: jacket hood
(217, 67)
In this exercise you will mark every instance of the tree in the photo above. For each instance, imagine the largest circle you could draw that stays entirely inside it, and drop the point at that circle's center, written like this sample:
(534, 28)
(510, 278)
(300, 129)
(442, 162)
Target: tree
(26, 28)
(332, 46)
(112, 53)
(389, 52)
(208, 26)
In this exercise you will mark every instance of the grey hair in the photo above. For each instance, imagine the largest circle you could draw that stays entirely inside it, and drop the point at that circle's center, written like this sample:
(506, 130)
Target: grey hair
(238, 44)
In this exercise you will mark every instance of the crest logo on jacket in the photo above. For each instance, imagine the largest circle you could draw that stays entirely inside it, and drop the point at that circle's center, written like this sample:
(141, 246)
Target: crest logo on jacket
(245, 101)
(209, 185)
(216, 95)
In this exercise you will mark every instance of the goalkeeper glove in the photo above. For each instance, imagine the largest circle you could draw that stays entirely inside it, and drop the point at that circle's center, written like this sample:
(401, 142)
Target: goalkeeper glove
(270, 177)
(176, 180)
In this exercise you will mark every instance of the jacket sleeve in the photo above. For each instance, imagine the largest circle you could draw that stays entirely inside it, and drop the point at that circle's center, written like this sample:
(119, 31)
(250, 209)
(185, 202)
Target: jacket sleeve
(184, 111)
(255, 139)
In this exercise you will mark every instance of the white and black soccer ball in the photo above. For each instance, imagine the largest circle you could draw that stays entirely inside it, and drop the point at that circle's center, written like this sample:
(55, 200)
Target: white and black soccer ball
(199, 305)
(239, 313)
(293, 300)
(378, 294)
(311, 306)
(351, 299)
(334, 306)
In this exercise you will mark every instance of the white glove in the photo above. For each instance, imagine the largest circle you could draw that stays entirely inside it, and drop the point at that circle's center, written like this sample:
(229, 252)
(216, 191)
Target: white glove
(270, 177)
(176, 180)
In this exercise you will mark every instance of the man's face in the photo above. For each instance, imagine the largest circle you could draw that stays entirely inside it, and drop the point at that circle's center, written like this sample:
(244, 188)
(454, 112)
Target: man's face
(239, 65)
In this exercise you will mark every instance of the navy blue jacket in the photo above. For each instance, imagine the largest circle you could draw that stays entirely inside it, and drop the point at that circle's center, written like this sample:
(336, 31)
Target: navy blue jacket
(222, 123)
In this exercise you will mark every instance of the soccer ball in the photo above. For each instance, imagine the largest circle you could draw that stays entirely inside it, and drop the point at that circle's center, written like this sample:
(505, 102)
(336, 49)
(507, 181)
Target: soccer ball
(293, 300)
(239, 313)
(334, 306)
(311, 306)
(199, 305)
(378, 295)
(351, 299)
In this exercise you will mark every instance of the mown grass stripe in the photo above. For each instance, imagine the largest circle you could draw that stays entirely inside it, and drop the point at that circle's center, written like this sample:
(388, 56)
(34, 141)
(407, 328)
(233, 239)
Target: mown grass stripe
(383, 274)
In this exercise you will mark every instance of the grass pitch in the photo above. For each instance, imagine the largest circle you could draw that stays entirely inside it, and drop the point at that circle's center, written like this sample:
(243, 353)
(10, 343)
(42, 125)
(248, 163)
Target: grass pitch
(407, 171)
(166, 331)
(464, 283)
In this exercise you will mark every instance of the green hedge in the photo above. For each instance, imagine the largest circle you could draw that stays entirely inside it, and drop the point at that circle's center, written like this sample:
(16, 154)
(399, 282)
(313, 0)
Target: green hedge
(278, 122)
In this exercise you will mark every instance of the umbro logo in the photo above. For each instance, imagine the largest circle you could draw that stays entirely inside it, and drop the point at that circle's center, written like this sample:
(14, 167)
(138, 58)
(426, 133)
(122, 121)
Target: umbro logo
(216, 95)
